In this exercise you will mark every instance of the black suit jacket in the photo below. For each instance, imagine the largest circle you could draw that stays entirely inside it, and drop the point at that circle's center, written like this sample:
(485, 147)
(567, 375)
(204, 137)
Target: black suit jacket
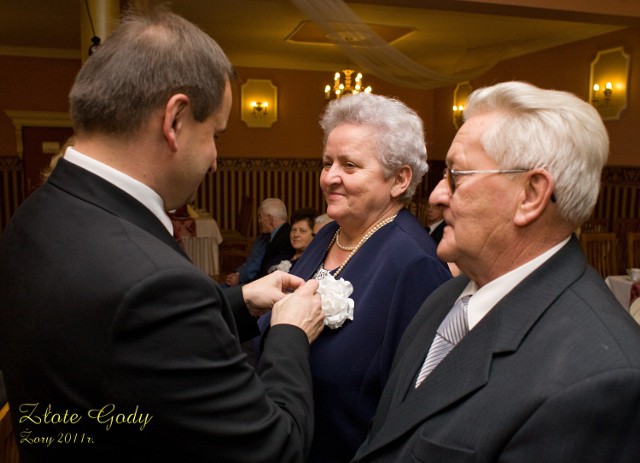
(278, 249)
(550, 374)
(436, 234)
(104, 318)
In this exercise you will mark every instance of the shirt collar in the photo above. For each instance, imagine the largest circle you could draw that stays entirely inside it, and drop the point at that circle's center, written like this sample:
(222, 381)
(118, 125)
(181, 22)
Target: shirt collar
(485, 298)
(138, 190)
(434, 225)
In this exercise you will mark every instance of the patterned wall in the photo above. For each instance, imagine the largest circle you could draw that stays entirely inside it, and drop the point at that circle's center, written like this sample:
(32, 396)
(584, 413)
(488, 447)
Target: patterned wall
(619, 195)
(296, 182)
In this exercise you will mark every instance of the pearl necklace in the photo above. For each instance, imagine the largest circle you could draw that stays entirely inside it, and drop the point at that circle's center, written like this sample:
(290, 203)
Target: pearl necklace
(341, 246)
(355, 248)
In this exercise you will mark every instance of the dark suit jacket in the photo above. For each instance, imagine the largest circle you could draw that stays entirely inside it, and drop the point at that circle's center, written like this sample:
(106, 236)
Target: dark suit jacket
(392, 273)
(437, 233)
(100, 310)
(278, 249)
(550, 374)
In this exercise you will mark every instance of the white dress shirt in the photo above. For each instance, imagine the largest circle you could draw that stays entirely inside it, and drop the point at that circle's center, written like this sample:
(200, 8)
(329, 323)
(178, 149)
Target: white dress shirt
(434, 225)
(485, 298)
(138, 190)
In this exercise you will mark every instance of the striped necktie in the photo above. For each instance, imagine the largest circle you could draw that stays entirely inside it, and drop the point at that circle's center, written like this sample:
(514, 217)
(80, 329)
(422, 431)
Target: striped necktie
(450, 332)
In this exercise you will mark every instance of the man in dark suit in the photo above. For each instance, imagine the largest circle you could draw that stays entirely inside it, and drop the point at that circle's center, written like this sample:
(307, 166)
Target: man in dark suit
(270, 247)
(549, 370)
(114, 346)
(435, 222)
(273, 219)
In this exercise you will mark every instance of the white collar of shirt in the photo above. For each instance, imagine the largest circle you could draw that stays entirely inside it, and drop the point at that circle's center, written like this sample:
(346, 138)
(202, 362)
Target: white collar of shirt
(485, 298)
(434, 225)
(138, 190)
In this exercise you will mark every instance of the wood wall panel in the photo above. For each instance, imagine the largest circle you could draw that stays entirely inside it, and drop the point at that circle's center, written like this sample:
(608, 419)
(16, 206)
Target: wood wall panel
(295, 181)
(619, 195)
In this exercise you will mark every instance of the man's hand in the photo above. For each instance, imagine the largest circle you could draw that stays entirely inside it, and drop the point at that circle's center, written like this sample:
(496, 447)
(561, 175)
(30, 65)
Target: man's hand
(260, 295)
(303, 309)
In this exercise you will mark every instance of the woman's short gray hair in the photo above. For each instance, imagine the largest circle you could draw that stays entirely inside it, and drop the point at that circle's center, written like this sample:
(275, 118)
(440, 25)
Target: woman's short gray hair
(554, 130)
(398, 132)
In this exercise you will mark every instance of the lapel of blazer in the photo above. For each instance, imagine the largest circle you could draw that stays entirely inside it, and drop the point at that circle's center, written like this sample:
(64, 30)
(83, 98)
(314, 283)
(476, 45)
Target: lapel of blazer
(467, 367)
(97, 191)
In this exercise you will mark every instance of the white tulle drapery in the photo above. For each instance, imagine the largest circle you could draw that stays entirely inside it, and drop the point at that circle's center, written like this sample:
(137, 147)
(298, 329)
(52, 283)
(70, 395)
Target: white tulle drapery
(371, 53)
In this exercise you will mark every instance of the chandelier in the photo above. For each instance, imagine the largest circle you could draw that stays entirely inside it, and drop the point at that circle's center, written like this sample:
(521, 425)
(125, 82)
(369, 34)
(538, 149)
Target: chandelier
(339, 89)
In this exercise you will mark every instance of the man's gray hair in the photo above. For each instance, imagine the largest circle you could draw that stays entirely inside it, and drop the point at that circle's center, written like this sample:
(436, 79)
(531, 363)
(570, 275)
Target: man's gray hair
(554, 130)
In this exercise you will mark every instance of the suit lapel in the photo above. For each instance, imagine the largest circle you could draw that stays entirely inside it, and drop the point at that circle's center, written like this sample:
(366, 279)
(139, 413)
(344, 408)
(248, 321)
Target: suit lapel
(97, 191)
(402, 406)
(467, 367)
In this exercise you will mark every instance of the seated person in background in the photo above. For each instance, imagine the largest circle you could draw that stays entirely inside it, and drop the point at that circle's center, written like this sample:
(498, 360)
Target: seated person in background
(302, 223)
(320, 222)
(272, 218)
(435, 222)
(270, 247)
(249, 269)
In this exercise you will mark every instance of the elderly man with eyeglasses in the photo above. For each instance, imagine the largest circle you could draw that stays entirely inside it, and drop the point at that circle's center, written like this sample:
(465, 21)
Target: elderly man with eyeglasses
(527, 357)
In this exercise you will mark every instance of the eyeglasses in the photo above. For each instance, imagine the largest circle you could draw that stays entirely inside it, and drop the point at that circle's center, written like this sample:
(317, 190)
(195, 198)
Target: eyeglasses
(450, 175)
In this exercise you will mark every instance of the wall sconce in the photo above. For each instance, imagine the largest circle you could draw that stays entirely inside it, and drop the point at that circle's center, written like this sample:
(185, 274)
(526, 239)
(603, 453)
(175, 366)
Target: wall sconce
(260, 108)
(259, 101)
(460, 95)
(608, 83)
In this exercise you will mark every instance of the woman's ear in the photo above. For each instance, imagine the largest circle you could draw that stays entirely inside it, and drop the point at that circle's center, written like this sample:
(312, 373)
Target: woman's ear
(402, 179)
(538, 194)
(175, 112)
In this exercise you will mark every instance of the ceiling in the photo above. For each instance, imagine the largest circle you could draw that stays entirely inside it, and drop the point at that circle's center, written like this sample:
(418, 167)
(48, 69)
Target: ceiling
(441, 33)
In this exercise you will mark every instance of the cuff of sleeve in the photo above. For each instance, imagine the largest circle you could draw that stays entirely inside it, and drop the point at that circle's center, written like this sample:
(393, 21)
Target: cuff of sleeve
(285, 340)
(245, 322)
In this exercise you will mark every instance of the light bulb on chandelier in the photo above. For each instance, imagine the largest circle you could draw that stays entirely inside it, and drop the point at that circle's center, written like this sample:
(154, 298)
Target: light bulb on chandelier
(348, 87)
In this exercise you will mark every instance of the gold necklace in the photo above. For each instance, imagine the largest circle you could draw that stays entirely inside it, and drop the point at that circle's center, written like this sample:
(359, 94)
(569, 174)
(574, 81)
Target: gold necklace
(367, 235)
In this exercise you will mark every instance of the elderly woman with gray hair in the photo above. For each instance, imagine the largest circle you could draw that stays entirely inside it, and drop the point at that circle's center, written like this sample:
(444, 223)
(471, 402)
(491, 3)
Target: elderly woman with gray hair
(374, 157)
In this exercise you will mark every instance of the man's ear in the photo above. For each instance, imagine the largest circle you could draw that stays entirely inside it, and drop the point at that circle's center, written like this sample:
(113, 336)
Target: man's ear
(175, 111)
(537, 196)
(402, 179)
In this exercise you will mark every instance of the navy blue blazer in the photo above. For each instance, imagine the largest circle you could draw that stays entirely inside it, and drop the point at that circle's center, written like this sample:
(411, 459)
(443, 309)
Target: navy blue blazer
(392, 273)
(550, 374)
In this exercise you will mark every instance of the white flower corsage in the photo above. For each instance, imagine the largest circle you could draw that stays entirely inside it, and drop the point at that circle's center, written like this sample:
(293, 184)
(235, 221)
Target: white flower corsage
(284, 265)
(336, 304)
